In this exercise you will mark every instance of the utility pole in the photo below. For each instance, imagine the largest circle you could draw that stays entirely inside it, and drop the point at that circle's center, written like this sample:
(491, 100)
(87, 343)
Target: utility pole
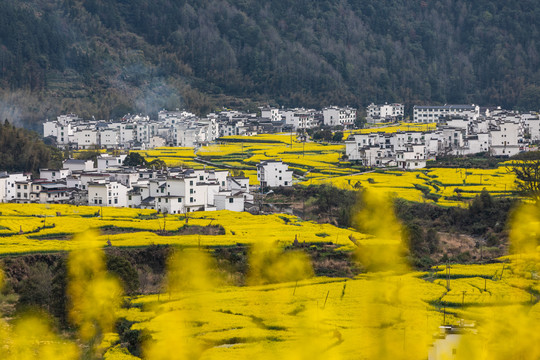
(291, 139)
(444, 315)
(447, 277)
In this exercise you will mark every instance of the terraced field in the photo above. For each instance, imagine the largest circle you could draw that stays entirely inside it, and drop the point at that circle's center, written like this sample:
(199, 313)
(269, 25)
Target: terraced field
(320, 163)
(28, 228)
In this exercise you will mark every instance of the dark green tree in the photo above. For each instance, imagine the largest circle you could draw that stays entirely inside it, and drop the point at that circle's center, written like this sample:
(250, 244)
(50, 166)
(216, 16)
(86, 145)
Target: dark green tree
(123, 269)
(134, 159)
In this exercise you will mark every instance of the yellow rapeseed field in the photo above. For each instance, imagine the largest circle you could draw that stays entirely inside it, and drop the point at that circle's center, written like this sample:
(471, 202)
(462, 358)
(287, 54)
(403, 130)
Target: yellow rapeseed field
(37, 227)
(321, 163)
(388, 312)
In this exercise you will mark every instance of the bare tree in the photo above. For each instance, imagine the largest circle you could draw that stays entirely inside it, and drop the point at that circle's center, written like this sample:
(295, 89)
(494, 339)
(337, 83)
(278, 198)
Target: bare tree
(527, 178)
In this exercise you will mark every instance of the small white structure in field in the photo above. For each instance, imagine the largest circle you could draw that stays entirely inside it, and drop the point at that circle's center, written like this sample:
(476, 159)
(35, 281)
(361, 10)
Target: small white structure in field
(446, 343)
(274, 174)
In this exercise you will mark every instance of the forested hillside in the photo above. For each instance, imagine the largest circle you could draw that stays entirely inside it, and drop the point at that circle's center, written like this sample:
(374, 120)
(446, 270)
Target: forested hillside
(22, 150)
(108, 57)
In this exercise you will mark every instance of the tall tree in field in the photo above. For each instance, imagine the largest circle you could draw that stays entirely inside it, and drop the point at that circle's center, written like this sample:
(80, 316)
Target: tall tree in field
(528, 178)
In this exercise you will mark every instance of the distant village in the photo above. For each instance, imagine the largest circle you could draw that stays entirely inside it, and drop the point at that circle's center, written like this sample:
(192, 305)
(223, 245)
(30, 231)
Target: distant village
(461, 130)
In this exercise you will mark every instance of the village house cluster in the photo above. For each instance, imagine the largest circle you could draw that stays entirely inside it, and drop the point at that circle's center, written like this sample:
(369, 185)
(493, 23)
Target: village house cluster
(181, 128)
(172, 190)
(461, 130)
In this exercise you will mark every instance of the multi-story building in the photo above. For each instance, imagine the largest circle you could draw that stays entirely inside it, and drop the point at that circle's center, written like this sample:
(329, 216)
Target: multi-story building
(53, 174)
(106, 161)
(384, 113)
(435, 114)
(413, 157)
(505, 139)
(86, 138)
(336, 116)
(274, 174)
(271, 113)
(109, 138)
(107, 193)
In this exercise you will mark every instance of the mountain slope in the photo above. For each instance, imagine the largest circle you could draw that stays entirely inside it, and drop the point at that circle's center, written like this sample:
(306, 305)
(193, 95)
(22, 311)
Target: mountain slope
(106, 57)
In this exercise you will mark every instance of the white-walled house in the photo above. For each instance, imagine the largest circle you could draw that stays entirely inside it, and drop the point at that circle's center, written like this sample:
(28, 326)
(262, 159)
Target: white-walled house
(413, 157)
(384, 113)
(23, 189)
(170, 204)
(107, 193)
(86, 138)
(106, 161)
(157, 141)
(274, 174)
(532, 126)
(227, 200)
(54, 174)
(91, 177)
(78, 165)
(336, 116)
(109, 138)
(8, 190)
(474, 144)
(504, 139)
(271, 113)
(51, 192)
(431, 113)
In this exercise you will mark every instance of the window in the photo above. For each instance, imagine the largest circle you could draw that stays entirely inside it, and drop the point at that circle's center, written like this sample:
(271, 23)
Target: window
(109, 201)
(191, 182)
(179, 200)
(191, 199)
(100, 201)
(25, 187)
(191, 191)
(201, 178)
(231, 200)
